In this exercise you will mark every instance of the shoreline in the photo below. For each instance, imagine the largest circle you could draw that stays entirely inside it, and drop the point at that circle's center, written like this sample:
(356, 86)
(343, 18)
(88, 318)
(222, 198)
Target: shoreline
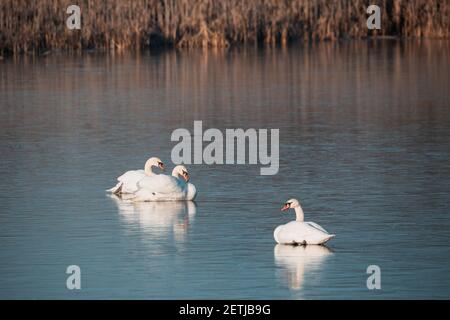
(165, 48)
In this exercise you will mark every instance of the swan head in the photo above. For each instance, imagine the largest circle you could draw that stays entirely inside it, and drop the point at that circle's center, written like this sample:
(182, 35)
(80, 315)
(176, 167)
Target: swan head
(291, 203)
(181, 170)
(154, 162)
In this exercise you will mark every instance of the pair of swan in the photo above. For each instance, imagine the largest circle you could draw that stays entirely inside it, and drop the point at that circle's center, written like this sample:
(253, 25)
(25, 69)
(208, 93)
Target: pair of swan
(145, 185)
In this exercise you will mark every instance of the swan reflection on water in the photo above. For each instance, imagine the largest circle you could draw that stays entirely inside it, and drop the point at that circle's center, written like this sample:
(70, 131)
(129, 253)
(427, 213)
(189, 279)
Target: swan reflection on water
(300, 262)
(158, 220)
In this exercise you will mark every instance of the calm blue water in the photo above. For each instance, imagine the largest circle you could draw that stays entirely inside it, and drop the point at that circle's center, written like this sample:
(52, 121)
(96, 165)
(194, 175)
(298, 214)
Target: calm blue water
(364, 145)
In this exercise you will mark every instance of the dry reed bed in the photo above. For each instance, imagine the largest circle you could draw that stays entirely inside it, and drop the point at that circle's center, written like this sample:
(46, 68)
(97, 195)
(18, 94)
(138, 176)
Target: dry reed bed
(37, 26)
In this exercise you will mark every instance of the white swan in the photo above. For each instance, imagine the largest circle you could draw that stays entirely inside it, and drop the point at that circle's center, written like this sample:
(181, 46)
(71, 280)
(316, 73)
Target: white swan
(166, 188)
(128, 181)
(300, 232)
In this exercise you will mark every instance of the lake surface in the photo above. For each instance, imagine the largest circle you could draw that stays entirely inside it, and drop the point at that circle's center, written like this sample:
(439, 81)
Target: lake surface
(364, 145)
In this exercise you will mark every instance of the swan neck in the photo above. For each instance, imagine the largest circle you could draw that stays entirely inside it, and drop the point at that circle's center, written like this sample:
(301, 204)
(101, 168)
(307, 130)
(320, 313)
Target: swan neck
(148, 169)
(174, 173)
(299, 214)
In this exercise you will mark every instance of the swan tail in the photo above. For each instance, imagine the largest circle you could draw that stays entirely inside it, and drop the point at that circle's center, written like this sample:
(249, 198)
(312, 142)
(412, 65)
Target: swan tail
(328, 238)
(117, 189)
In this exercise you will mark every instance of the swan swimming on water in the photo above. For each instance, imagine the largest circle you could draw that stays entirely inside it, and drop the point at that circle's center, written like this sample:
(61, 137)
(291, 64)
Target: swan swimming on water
(166, 188)
(299, 232)
(128, 181)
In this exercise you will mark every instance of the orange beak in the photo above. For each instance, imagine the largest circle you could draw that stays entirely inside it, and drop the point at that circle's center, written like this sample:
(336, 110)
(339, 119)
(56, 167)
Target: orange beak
(161, 166)
(285, 207)
(186, 176)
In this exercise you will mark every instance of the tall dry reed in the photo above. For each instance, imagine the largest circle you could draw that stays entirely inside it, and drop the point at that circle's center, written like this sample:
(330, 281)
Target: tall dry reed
(38, 26)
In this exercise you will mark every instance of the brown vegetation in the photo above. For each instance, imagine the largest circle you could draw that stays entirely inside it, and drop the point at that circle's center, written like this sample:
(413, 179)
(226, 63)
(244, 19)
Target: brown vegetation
(38, 26)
